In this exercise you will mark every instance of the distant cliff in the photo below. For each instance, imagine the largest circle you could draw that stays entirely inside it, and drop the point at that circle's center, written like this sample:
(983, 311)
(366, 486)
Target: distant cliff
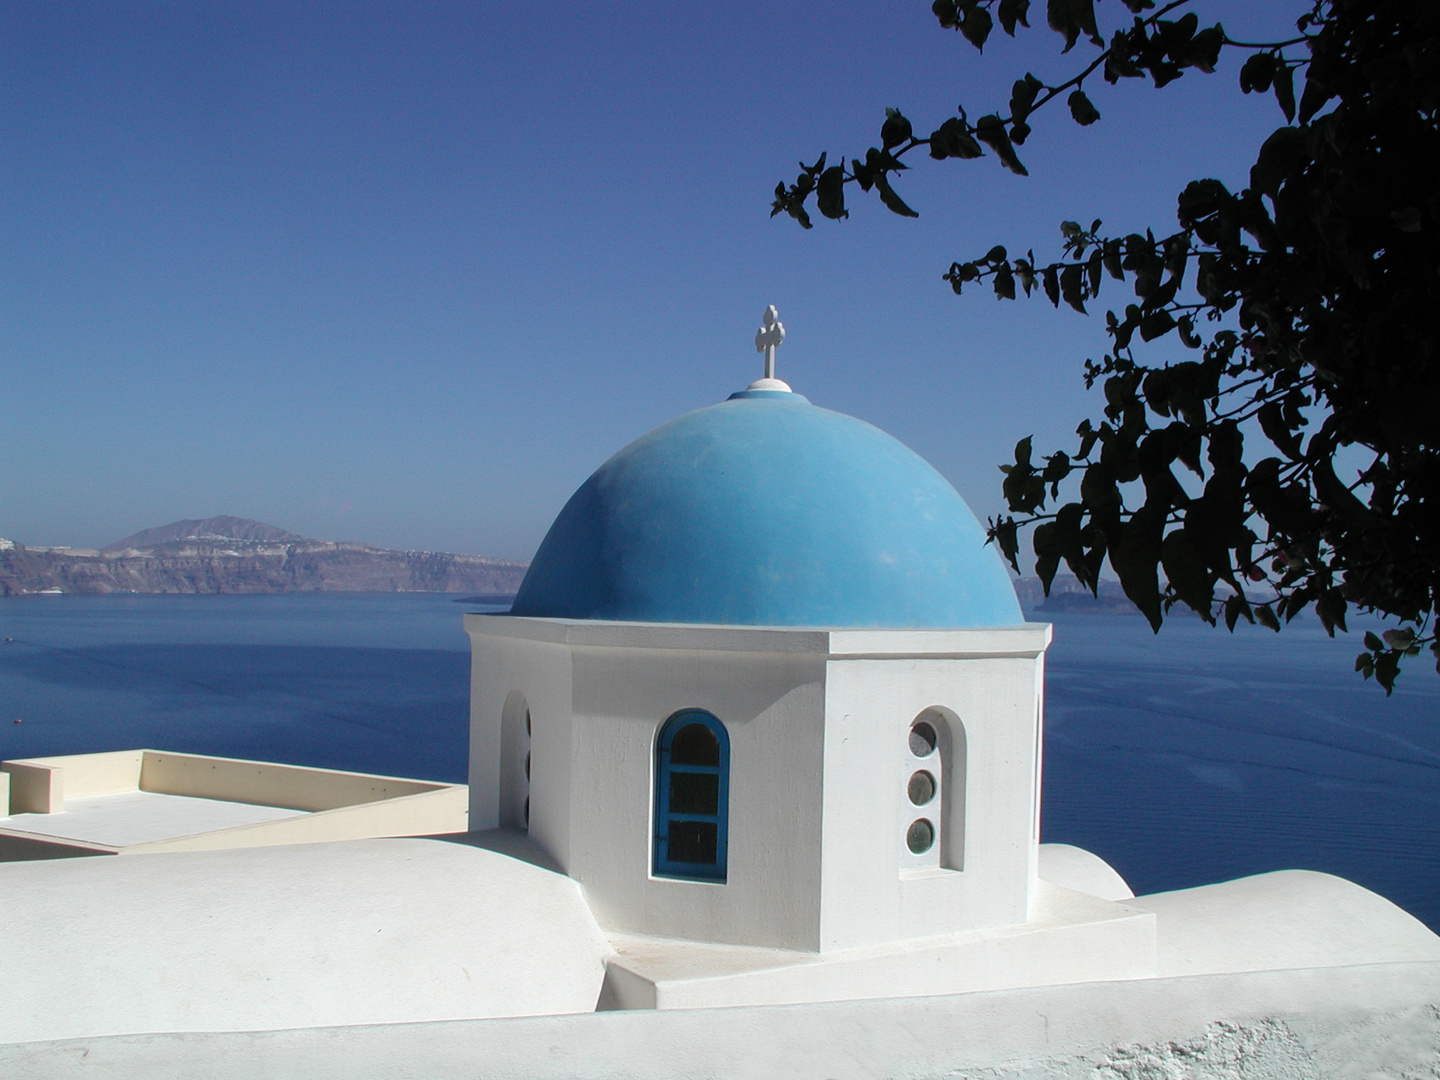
(236, 555)
(1067, 594)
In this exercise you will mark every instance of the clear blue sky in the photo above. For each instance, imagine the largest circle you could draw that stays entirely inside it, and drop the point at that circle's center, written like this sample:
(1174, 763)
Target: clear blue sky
(407, 272)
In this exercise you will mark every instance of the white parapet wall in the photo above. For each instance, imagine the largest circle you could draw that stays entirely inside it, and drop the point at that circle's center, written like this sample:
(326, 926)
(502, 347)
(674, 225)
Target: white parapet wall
(1375, 1021)
(35, 788)
(143, 801)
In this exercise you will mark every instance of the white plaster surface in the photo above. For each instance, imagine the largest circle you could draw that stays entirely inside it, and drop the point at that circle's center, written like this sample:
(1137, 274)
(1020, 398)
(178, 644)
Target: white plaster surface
(1281, 921)
(1286, 919)
(140, 817)
(350, 932)
(354, 938)
(1081, 870)
(818, 722)
(1070, 937)
(1359, 1023)
(1028, 639)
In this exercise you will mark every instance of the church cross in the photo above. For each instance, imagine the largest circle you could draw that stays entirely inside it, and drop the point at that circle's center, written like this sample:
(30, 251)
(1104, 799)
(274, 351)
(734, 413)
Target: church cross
(770, 334)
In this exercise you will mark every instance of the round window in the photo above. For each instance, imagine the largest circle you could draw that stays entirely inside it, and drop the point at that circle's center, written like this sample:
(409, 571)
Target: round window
(920, 837)
(922, 739)
(921, 788)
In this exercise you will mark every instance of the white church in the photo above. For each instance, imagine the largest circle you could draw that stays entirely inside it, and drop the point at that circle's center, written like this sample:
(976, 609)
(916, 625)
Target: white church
(755, 781)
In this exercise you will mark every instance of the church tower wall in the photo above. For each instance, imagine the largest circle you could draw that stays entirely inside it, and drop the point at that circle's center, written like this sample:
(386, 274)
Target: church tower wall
(983, 814)
(819, 726)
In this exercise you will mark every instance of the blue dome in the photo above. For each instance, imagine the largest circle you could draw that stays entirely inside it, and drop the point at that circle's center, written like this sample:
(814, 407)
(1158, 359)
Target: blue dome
(765, 510)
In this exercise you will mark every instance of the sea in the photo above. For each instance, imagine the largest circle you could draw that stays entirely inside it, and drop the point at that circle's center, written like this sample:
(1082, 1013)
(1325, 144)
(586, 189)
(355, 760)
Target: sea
(1182, 758)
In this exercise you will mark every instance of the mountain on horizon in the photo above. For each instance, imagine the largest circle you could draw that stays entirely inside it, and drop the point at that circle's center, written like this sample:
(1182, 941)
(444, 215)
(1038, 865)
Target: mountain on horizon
(224, 527)
(229, 554)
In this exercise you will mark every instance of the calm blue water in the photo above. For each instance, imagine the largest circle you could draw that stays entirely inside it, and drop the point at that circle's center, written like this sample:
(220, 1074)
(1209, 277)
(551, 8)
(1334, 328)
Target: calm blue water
(1183, 759)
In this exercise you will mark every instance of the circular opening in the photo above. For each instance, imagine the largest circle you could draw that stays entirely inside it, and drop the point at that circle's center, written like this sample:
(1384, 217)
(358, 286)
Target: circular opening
(922, 739)
(921, 788)
(920, 837)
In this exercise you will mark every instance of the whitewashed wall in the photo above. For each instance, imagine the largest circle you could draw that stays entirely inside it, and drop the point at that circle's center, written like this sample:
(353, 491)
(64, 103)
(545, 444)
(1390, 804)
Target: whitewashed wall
(818, 722)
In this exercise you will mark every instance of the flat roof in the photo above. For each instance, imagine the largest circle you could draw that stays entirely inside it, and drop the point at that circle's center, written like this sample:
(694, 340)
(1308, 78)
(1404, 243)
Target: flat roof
(140, 817)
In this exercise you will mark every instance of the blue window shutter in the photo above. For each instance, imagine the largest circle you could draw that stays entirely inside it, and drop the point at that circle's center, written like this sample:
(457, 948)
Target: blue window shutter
(692, 797)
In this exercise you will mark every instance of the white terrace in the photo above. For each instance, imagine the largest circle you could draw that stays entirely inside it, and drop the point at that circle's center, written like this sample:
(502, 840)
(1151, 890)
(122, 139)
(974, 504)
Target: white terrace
(138, 801)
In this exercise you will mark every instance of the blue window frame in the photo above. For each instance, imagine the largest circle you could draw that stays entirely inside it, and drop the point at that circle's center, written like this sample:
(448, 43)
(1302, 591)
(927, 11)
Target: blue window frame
(692, 797)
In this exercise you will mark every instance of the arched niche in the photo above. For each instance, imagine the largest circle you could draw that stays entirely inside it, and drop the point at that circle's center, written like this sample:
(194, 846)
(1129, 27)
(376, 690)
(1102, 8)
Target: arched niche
(515, 764)
(933, 782)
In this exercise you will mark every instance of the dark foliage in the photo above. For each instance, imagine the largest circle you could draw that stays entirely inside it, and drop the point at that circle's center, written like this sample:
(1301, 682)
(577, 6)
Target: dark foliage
(1310, 299)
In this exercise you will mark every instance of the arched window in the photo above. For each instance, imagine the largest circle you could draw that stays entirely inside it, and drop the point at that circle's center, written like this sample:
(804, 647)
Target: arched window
(692, 796)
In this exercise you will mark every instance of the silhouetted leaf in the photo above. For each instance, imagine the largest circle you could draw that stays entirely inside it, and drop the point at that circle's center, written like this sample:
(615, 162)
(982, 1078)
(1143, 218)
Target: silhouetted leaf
(1188, 574)
(1072, 286)
(951, 139)
(1237, 607)
(991, 131)
(892, 202)
(830, 192)
(1004, 533)
(1084, 113)
(1400, 639)
(1013, 12)
(1272, 423)
(1022, 96)
(1407, 219)
(1283, 78)
(1023, 451)
(1156, 324)
(1073, 18)
(1256, 73)
(1205, 48)
(1330, 608)
(1281, 155)
(976, 26)
(1046, 542)
(895, 130)
(1110, 256)
(1312, 98)
(1387, 668)
(1135, 555)
(1051, 278)
(1057, 468)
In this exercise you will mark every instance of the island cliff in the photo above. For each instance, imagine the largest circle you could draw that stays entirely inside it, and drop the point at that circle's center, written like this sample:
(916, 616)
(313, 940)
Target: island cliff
(236, 555)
